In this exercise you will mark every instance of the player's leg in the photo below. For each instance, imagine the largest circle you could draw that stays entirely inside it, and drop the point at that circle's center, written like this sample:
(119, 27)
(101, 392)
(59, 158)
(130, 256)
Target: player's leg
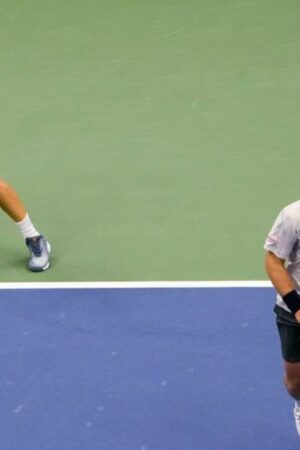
(292, 383)
(290, 347)
(38, 246)
(292, 379)
(11, 203)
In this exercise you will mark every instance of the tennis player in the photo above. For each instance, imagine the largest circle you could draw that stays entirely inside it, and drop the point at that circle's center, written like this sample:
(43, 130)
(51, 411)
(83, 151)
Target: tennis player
(38, 246)
(283, 268)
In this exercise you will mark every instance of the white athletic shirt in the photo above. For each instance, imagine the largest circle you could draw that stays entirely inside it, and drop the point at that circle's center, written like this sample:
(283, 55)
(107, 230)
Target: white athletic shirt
(284, 241)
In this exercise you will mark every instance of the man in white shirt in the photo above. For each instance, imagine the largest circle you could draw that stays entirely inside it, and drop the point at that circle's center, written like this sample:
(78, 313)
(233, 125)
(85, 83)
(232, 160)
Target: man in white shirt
(37, 245)
(282, 264)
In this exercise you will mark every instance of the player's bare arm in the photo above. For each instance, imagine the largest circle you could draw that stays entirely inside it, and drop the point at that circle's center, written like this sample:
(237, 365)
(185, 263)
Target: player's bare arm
(279, 276)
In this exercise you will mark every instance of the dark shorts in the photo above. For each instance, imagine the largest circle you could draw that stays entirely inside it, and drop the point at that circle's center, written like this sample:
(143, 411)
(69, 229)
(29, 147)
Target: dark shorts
(290, 342)
(289, 332)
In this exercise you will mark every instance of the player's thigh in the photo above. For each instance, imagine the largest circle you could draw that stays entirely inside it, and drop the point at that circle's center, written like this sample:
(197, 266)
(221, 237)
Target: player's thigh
(290, 345)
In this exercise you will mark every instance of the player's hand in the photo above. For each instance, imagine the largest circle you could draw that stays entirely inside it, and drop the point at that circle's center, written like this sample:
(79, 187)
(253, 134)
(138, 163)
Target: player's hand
(297, 315)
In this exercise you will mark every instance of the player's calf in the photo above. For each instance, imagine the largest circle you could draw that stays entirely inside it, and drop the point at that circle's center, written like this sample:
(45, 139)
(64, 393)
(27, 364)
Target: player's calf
(292, 384)
(37, 245)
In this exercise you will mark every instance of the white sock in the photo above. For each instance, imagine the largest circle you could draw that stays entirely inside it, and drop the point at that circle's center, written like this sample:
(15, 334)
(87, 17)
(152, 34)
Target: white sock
(297, 403)
(26, 227)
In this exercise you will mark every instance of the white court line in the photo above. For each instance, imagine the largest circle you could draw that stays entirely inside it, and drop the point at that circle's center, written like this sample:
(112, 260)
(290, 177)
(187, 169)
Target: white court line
(136, 285)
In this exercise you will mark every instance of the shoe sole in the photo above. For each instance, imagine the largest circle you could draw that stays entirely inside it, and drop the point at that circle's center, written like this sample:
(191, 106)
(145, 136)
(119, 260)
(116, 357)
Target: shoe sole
(39, 269)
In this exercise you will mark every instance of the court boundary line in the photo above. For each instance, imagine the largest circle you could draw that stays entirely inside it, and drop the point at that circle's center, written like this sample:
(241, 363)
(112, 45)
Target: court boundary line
(136, 284)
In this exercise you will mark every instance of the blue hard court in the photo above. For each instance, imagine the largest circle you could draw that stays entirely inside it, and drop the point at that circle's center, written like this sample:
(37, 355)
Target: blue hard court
(142, 369)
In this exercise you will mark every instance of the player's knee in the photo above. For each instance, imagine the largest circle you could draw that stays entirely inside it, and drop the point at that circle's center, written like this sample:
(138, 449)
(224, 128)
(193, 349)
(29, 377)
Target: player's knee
(292, 384)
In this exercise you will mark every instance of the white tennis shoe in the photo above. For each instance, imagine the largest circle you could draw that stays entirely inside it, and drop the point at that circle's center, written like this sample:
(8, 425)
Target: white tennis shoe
(39, 249)
(297, 417)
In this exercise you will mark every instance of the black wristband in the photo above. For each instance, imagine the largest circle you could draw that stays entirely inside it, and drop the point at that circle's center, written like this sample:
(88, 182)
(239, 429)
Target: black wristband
(292, 301)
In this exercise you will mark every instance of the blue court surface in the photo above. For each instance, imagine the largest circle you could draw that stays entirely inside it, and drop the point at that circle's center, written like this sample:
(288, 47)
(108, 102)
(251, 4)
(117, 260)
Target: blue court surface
(142, 369)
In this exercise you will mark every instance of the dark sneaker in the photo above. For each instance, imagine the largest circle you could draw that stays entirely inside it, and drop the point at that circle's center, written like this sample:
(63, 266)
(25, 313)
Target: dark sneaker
(39, 249)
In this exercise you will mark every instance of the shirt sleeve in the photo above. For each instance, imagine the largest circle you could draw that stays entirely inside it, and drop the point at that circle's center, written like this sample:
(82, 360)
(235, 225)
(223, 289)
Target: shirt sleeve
(282, 236)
